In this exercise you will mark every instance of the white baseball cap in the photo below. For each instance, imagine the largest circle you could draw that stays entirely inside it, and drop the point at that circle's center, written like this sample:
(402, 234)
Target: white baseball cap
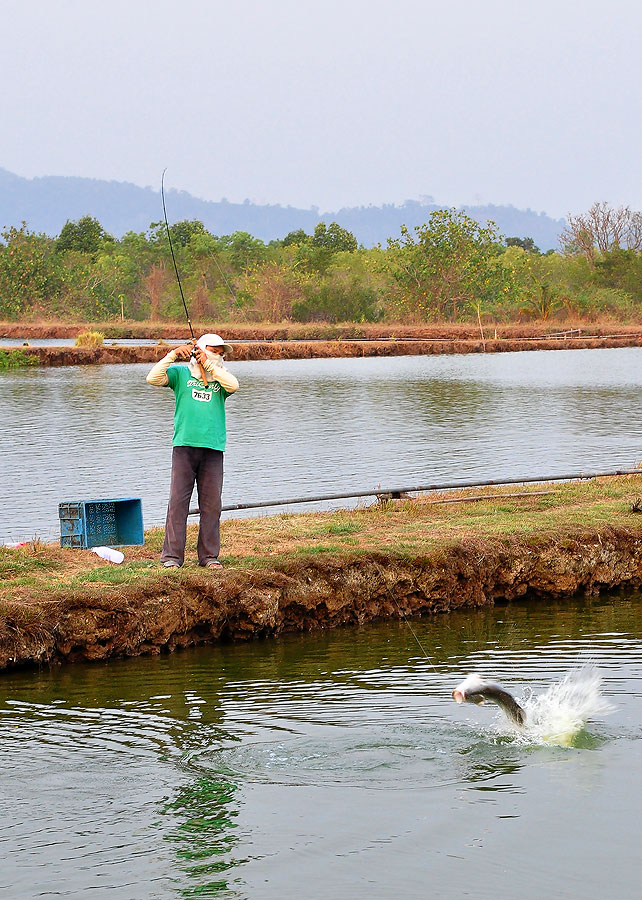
(213, 340)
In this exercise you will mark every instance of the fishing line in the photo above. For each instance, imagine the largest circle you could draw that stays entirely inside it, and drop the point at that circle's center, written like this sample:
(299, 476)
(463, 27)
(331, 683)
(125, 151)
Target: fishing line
(412, 630)
(178, 277)
(406, 620)
(222, 273)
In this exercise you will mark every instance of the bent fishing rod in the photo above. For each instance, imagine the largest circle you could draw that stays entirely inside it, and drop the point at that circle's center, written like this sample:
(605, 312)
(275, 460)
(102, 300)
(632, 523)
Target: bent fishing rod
(178, 277)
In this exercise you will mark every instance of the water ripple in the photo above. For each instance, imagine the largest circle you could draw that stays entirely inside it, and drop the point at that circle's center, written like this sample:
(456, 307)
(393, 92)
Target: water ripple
(444, 417)
(221, 770)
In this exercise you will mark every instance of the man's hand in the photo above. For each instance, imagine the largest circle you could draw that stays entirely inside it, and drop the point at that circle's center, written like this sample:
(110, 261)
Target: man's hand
(184, 351)
(201, 359)
(200, 356)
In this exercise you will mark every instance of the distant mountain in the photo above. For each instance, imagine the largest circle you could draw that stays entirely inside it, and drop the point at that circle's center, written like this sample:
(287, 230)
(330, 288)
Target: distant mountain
(46, 203)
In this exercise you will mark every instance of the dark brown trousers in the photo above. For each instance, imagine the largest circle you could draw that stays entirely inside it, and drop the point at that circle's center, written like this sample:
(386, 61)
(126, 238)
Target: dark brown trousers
(204, 467)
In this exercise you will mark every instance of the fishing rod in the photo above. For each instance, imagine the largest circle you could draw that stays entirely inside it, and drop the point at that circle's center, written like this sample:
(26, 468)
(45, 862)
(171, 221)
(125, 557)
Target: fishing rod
(178, 278)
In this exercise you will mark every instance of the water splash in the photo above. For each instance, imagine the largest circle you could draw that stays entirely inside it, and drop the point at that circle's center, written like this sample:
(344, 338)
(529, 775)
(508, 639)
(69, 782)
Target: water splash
(559, 714)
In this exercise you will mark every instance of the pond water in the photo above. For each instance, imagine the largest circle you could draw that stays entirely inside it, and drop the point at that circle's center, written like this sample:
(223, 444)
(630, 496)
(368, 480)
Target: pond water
(71, 342)
(300, 428)
(330, 765)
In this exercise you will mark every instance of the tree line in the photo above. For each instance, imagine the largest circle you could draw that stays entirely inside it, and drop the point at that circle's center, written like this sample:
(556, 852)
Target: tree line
(452, 268)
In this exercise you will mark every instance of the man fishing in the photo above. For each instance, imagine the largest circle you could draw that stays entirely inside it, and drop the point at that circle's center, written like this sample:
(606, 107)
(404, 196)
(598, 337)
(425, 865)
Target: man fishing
(200, 390)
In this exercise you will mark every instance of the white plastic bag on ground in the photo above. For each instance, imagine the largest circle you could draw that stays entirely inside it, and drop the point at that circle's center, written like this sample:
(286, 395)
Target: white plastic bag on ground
(109, 554)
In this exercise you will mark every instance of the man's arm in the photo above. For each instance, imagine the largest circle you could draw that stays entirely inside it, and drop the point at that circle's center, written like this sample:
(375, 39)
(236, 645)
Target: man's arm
(158, 374)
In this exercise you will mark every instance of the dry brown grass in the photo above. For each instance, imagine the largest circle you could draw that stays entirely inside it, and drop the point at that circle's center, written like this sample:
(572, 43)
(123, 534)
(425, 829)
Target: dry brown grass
(423, 524)
(315, 330)
(70, 604)
(408, 528)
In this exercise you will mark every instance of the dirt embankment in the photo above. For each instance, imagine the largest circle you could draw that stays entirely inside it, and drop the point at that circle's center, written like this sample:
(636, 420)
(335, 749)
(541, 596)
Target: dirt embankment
(291, 341)
(73, 356)
(102, 620)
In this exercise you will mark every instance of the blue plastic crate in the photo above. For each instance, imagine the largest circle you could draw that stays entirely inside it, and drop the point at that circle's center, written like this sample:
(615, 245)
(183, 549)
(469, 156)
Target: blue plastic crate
(101, 523)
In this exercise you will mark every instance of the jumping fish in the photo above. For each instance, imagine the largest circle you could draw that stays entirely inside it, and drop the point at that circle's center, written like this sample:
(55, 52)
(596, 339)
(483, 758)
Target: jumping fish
(476, 689)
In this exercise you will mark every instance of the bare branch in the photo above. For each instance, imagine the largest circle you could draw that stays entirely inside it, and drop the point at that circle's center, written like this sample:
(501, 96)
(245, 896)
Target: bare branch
(603, 228)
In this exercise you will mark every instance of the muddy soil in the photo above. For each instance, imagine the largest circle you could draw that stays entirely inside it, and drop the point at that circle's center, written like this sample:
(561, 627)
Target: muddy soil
(73, 356)
(103, 620)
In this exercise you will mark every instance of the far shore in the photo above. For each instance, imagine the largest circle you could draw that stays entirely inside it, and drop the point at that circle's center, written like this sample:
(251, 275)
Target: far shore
(321, 340)
(328, 331)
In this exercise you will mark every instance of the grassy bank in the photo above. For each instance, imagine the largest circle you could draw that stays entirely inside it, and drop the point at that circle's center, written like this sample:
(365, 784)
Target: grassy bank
(15, 359)
(298, 572)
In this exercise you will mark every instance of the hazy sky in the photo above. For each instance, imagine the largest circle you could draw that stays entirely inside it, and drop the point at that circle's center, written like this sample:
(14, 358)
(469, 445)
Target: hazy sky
(333, 103)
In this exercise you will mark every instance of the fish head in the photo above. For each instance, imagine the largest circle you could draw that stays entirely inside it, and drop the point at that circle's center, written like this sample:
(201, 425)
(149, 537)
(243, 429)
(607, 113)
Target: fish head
(468, 690)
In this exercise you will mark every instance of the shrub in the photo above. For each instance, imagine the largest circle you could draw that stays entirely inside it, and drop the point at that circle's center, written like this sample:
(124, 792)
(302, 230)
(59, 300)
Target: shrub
(90, 339)
(13, 359)
(341, 297)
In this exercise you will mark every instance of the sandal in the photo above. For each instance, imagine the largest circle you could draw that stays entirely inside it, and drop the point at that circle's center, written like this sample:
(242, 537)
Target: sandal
(214, 564)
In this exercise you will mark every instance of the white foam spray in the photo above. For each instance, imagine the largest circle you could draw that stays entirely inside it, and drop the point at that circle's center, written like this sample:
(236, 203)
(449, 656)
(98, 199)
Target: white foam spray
(561, 712)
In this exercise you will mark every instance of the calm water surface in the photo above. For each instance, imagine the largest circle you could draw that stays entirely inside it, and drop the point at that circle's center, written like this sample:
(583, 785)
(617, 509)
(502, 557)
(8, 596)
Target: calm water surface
(326, 766)
(306, 427)
(71, 342)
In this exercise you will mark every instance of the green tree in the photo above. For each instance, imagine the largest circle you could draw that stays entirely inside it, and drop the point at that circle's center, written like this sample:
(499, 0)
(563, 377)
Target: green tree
(86, 235)
(318, 252)
(243, 250)
(526, 243)
(298, 236)
(185, 231)
(210, 276)
(337, 300)
(267, 292)
(334, 238)
(348, 292)
(449, 263)
(182, 233)
(30, 276)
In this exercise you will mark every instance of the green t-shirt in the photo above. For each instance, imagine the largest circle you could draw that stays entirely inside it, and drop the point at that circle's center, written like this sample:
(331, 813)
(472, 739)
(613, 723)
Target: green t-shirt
(199, 416)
